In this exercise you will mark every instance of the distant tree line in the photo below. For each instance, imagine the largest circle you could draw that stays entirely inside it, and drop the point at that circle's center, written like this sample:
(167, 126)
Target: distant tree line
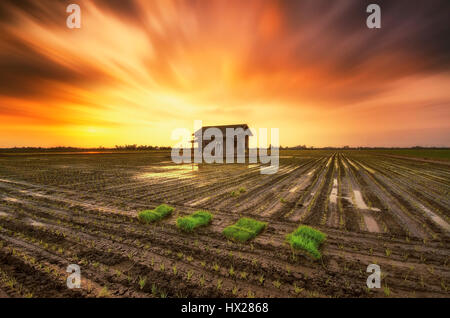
(135, 147)
(78, 149)
(141, 147)
(304, 147)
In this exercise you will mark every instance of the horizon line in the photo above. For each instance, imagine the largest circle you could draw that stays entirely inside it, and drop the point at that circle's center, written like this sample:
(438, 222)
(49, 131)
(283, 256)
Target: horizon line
(151, 147)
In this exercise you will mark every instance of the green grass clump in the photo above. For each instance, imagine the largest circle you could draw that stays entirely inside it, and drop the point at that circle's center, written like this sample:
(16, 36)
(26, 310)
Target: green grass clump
(191, 222)
(156, 214)
(308, 239)
(244, 229)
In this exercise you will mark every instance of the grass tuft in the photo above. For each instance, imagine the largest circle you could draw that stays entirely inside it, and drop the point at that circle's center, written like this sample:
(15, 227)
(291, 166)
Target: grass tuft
(156, 214)
(244, 229)
(308, 239)
(191, 222)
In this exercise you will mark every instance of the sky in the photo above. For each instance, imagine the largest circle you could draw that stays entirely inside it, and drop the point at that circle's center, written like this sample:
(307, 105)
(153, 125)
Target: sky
(136, 70)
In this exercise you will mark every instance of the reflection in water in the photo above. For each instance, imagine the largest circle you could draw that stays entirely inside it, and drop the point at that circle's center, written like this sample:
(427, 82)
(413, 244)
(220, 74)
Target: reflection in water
(185, 167)
(436, 218)
(185, 171)
(182, 171)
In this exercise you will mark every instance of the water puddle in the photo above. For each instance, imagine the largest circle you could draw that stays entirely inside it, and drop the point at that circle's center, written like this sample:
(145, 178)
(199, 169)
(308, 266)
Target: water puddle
(354, 165)
(437, 219)
(359, 201)
(334, 192)
(35, 223)
(199, 201)
(182, 171)
(345, 165)
(293, 189)
(181, 167)
(270, 170)
(371, 224)
(33, 194)
(367, 168)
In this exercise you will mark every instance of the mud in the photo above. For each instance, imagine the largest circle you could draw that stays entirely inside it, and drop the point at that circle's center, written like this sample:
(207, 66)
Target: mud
(62, 217)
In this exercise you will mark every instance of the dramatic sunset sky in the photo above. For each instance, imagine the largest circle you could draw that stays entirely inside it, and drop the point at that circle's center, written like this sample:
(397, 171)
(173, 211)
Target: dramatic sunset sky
(138, 69)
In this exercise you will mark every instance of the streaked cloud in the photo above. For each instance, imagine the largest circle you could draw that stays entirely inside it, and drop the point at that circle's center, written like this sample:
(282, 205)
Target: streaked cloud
(138, 69)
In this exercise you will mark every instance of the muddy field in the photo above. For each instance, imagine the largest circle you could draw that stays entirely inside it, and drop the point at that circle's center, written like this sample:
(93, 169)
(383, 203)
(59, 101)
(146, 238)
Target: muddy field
(375, 208)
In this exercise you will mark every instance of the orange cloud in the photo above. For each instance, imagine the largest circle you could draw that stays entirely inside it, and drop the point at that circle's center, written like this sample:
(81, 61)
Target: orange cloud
(138, 69)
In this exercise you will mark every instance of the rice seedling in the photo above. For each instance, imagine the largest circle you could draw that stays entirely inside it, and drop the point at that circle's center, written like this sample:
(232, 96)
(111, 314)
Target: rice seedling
(244, 229)
(154, 290)
(388, 252)
(202, 280)
(142, 281)
(191, 222)
(308, 239)
(297, 289)
(276, 283)
(104, 293)
(386, 291)
(261, 279)
(160, 212)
